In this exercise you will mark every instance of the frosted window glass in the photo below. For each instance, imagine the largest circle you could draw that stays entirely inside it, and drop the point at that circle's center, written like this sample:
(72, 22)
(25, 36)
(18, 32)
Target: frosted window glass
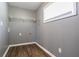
(58, 9)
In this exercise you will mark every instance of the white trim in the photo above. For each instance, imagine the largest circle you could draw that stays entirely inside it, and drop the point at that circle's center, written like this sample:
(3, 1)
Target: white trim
(73, 12)
(21, 44)
(45, 50)
(6, 51)
(16, 45)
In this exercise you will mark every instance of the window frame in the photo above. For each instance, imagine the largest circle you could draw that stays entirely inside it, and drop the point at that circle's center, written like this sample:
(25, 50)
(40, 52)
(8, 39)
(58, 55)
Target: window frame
(64, 15)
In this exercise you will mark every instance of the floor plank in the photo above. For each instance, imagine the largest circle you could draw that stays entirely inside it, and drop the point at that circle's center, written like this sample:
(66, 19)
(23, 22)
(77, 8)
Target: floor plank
(31, 50)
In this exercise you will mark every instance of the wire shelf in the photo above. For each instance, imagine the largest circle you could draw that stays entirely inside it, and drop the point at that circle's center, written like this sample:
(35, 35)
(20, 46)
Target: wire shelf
(21, 20)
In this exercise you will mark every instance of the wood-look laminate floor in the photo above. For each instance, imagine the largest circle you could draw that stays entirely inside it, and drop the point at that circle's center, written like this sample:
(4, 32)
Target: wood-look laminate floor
(31, 50)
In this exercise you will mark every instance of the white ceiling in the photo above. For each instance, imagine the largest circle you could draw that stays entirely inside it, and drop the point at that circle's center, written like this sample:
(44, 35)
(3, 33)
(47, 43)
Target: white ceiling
(26, 5)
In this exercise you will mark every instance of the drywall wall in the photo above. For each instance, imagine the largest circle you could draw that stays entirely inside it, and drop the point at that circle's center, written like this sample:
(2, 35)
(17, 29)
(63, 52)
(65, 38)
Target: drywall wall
(62, 34)
(3, 27)
(27, 28)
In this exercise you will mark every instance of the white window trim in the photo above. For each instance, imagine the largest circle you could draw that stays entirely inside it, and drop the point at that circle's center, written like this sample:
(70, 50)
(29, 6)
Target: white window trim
(65, 15)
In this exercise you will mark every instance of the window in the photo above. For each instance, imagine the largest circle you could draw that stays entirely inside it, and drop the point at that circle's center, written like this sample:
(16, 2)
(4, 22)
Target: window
(58, 10)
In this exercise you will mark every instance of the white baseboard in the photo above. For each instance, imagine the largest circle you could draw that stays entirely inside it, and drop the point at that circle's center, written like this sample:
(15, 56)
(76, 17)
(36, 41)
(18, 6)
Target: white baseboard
(12, 45)
(28, 44)
(45, 50)
(22, 44)
(6, 51)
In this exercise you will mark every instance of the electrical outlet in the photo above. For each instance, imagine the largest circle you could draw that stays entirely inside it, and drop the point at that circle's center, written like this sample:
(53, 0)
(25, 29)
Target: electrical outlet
(1, 23)
(8, 29)
(59, 50)
(20, 34)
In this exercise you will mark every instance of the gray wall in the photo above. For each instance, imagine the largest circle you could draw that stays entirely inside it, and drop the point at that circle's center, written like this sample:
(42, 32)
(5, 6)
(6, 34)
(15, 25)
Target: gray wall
(25, 27)
(3, 28)
(62, 34)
